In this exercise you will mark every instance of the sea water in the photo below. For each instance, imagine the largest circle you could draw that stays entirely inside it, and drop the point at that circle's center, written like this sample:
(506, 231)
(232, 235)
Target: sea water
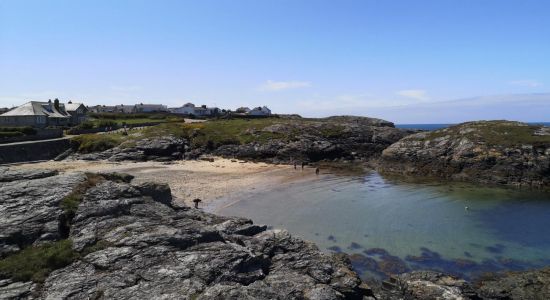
(390, 226)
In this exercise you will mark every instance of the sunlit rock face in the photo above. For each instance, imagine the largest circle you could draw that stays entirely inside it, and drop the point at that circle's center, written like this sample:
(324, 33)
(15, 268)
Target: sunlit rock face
(499, 152)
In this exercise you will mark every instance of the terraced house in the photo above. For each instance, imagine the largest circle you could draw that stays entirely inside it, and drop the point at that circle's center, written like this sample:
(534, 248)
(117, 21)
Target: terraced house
(44, 114)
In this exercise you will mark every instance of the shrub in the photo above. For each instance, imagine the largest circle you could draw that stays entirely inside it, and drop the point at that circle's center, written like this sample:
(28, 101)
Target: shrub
(9, 134)
(88, 143)
(106, 123)
(16, 131)
(35, 263)
(85, 125)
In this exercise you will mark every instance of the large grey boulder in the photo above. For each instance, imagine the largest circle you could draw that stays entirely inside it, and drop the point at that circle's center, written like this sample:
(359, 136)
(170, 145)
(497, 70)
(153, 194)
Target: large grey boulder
(30, 211)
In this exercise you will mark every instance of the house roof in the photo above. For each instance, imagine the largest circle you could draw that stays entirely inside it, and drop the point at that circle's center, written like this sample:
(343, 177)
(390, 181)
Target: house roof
(35, 108)
(72, 106)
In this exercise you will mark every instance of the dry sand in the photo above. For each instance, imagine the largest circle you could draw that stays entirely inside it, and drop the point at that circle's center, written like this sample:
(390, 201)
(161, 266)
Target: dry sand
(193, 179)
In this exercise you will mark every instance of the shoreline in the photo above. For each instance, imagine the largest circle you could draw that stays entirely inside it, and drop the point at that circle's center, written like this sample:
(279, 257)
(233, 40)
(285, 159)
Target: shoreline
(190, 179)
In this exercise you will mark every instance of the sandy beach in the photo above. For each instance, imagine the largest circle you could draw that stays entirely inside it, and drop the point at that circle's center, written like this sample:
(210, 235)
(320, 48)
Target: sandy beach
(193, 179)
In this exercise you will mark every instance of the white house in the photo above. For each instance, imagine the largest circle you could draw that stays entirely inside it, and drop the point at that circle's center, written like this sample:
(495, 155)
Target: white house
(191, 109)
(37, 114)
(260, 111)
(186, 109)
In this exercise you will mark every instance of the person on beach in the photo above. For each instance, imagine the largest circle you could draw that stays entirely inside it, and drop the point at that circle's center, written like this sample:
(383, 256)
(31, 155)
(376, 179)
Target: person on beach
(295, 165)
(317, 171)
(303, 164)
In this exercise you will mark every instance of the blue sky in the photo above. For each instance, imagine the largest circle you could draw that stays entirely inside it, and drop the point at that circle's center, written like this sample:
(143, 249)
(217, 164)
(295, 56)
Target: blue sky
(377, 58)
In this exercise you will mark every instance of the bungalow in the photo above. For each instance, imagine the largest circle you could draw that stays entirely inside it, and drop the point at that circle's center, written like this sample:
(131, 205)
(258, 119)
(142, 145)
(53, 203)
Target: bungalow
(77, 112)
(37, 114)
(191, 109)
(186, 109)
(260, 111)
(148, 108)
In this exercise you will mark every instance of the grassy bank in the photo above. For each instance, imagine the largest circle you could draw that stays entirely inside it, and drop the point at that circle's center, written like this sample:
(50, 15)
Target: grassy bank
(213, 133)
(494, 133)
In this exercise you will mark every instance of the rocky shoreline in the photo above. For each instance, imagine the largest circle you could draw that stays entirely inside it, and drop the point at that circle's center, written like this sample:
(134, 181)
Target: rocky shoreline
(103, 237)
(133, 241)
(487, 152)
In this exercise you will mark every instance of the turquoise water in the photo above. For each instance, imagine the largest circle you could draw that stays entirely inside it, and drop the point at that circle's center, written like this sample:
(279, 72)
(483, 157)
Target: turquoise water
(391, 226)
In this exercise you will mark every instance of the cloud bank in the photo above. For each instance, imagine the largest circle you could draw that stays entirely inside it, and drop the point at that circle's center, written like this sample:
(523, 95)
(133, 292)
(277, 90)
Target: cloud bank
(420, 95)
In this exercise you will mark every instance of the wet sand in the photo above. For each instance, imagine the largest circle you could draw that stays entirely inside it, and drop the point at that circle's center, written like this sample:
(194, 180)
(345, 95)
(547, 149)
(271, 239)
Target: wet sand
(188, 180)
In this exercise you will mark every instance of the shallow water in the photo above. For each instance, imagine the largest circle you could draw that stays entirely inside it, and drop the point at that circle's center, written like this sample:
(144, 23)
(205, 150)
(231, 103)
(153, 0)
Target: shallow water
(391, 226)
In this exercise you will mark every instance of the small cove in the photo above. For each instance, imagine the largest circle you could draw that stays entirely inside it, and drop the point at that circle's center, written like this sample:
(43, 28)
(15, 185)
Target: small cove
(389, 226)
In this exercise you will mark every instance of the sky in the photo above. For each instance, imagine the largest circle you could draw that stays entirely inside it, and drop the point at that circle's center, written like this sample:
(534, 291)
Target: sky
(423, 61)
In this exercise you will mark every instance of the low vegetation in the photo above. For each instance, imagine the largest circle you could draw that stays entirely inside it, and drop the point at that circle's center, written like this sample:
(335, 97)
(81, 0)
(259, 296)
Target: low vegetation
(88, 143)
(213, 133)
(70, 202)
(36, 262)
(501, 133)
(6, 132)
(110, 119)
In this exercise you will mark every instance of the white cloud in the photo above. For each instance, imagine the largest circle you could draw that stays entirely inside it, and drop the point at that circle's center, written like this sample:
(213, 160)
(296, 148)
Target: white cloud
(526, 82)
(271, 85)
(414, 94)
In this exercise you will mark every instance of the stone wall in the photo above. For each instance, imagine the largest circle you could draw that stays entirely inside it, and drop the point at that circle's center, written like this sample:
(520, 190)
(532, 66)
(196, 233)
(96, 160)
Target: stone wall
(32, 151)
(41, 134)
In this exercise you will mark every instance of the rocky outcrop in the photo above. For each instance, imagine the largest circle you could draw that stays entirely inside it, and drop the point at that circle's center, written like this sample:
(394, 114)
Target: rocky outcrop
(333, 138)
(30, 207)
(500, 152)
(134, 242)
(282, 141)
(164, 148)
(360, 120)
(8, 175)
(516, 285)
(426, 285)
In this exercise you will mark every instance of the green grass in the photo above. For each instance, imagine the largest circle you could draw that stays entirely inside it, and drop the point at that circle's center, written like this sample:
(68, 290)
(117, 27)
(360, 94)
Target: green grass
(35, 263)
(16, 131)
(88, 143)
(70, 202)
(110, 119)
(213, 133)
